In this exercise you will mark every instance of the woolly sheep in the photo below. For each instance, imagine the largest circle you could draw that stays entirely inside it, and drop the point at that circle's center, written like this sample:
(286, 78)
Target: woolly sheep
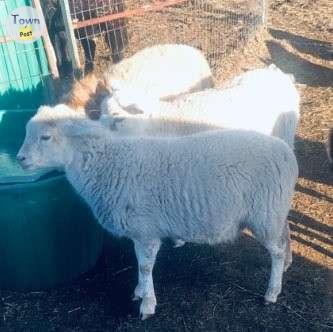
(162, 71)
(203, 188)
(265, 100)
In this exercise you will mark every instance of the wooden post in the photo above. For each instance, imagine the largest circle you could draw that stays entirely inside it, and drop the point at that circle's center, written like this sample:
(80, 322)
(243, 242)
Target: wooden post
(51, 57)
(73, 50)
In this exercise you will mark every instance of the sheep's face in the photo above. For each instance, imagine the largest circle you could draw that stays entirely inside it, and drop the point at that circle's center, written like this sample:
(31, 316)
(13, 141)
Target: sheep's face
(43, 147)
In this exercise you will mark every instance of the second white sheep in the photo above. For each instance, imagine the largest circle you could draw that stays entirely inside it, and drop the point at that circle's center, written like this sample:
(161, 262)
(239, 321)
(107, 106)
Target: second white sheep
(265, 100)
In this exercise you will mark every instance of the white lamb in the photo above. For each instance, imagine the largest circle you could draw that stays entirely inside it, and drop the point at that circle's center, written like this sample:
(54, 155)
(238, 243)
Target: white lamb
(163, 71)
(264, 100)
(203, 188)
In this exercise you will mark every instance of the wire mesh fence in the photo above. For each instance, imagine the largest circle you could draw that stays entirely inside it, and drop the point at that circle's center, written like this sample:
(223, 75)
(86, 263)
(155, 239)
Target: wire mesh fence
(108, 30)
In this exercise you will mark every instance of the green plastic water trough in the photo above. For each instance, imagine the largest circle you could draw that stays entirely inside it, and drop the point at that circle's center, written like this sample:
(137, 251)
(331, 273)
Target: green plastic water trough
(47, 234)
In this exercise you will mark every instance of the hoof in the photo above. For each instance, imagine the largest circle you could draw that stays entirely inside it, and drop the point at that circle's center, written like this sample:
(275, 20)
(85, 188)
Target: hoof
(145, 316)
(268, 302)
(269, 299)
(147, 307)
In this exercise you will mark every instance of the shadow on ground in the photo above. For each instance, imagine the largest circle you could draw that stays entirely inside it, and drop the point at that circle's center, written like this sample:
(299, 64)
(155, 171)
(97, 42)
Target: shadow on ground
(305, 72)
(314, 230)
(313, 162)
(197, 287)
(317, 48)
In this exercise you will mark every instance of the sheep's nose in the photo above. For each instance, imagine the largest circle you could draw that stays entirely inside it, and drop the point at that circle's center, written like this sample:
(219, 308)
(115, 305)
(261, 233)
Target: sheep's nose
(20, 157)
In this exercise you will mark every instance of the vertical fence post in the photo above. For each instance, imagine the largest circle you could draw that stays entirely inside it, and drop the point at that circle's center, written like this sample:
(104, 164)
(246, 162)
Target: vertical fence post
(48, 46)
(73, 50)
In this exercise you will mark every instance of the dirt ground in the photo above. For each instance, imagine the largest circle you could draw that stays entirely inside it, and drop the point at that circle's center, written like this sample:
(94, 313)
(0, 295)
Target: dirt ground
(202, 288)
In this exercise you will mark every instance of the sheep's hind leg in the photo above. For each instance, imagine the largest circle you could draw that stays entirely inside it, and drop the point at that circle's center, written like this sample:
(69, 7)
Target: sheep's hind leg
(288, 254)
(277, 267)
(146, 255)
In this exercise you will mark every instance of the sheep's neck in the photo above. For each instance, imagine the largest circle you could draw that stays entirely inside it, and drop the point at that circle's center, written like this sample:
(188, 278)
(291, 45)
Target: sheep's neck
(96, 179)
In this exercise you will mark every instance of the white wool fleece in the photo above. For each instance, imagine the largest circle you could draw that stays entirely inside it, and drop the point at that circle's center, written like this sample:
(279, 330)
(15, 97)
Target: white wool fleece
(265, 100)
(163, 71)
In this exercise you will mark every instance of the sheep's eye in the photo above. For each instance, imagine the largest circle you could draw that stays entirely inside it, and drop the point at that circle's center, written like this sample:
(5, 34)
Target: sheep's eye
(45, 137)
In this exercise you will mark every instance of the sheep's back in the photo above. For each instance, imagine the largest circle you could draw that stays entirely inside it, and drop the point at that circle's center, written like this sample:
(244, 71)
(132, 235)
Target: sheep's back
(165, 70)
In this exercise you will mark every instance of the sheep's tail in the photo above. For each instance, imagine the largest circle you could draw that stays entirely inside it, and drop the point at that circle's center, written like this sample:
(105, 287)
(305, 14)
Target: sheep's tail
(285, 127)
(329, 147)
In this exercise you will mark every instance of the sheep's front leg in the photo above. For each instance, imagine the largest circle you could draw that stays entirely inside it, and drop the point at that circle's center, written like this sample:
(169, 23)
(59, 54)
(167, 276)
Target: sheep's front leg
(146, 254)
